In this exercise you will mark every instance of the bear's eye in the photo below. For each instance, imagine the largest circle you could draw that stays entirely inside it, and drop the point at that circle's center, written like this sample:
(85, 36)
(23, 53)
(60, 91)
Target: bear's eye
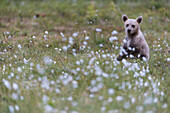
(127, 25)
(133, 26)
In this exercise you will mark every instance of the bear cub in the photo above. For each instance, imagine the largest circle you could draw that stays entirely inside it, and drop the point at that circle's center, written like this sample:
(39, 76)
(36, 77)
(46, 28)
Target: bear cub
(135, 45)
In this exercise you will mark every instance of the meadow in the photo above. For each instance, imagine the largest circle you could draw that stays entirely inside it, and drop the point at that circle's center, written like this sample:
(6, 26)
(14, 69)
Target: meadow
(59, 56)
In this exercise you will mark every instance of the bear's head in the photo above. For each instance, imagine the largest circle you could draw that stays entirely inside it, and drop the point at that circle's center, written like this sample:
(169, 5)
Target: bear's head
(132, 26)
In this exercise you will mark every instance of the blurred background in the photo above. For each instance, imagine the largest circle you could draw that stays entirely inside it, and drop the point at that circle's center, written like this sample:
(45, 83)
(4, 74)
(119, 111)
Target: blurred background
(67, 15)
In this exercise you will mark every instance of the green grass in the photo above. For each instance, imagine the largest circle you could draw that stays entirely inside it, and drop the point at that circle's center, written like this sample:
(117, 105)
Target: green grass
(55, 80)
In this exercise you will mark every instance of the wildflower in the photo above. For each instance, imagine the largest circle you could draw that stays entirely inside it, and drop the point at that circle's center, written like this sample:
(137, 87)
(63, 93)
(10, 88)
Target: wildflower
(15, 86)
(46, 32)
(75, 34)
(103, 108)
(112, 38)
(33, 37)
(87, 38)
(11, 109)
(19, 46)
(114, 32)
(65, 48)
(15, 96)
(47, 60)
(6, 83)
(17, 107)
(48, 109)
(98, 30)
(19, 69)
(62, 34)
(126, 105)
(110, 99)
(40, 70)
(25, 61)
(119, 98)
(148, 100)
(111, 91)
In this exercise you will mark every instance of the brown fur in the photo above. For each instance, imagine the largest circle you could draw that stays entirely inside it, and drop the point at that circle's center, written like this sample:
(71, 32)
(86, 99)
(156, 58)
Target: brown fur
(135, 43)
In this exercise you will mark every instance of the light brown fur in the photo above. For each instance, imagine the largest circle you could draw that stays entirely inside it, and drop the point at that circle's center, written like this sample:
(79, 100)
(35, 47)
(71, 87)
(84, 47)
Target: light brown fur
(135, 43)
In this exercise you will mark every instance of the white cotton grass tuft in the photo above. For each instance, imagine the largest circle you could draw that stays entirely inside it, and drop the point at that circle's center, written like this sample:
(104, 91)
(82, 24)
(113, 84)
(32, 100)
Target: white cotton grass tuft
(98, 71)
(148, 100)
(17, 107)
(114, 32)
(98, 30)
(62, 34)
(164, 105)
(103, 108)
(70, 98)
(110, 100)
(7, 83)
(71, 40)
(25, 60)
(101, 45)
(47, 60)
(78, 62)
(46, 32)
(119, 98)
(31, 64)
(33, 37)
(75, 34)
(40, 70)
(45, 99)
(144, 59)
(85, 43)
(155, 100)
(112, 38)
(48, 109)
(19, 69)
(57, 91)
(15, 96)
(19, 46)
(74, 84)
(105, 75)
(111, 91)
(87, 38)
(15, 86)
(125, 41)
(45, 83)
(126, 105)
(11, 109)
(65, 48)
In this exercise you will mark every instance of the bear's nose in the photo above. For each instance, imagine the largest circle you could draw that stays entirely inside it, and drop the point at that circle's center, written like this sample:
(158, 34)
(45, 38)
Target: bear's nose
(128, 30)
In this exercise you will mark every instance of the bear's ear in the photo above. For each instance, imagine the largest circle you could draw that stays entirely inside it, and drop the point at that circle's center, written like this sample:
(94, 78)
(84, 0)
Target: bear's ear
(124, 17)
(139, 19)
